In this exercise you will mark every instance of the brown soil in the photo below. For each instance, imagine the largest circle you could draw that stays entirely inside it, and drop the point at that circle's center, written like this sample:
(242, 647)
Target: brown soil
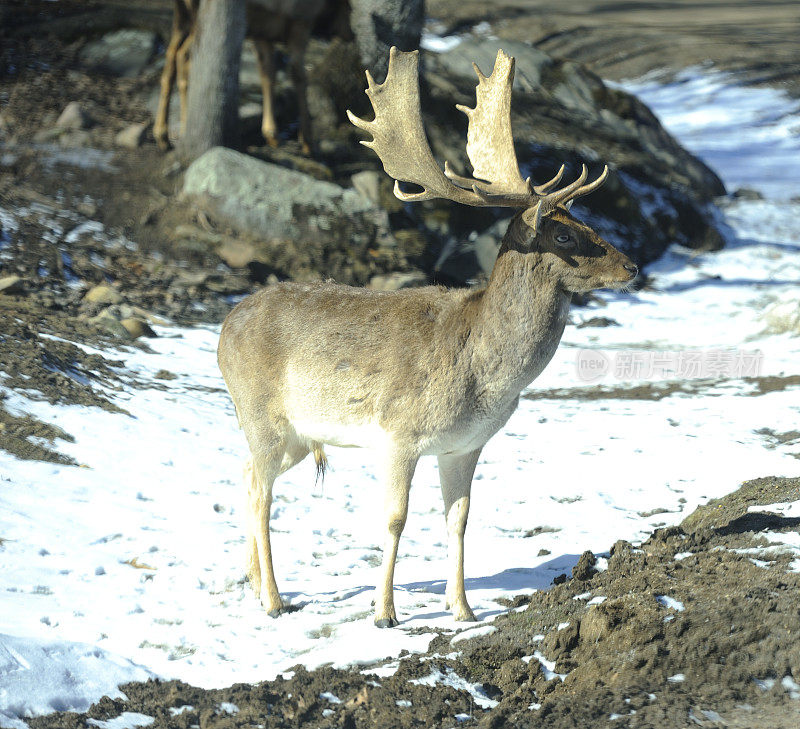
(656, 391)
(691, 632)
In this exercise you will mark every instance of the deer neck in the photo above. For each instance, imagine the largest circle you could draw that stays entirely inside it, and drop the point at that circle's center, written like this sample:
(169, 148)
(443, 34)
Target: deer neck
(519, 320)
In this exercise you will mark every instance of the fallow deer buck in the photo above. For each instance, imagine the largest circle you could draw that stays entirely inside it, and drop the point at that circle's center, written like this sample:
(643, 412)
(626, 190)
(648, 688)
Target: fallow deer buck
(268, 22)
(416, 372)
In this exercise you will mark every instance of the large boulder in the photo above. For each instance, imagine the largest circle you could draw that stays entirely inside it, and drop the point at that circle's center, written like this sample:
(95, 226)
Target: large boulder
(303, 226)
(120, 53)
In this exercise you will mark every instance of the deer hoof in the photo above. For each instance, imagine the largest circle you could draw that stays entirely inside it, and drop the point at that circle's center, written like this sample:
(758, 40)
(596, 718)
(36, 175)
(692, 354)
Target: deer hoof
(387, 623)
(162, 142)
(465, 615)
(277, 612)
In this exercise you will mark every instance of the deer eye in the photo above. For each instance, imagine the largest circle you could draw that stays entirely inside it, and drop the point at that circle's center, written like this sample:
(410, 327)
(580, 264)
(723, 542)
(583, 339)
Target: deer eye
(563, 239)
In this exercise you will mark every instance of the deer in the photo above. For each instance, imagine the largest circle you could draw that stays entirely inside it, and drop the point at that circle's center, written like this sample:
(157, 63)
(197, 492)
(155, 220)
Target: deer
(268, 22)
(430, 371)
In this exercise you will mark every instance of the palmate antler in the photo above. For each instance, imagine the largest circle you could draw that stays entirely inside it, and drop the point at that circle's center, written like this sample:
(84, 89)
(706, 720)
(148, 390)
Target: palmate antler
(398, 138)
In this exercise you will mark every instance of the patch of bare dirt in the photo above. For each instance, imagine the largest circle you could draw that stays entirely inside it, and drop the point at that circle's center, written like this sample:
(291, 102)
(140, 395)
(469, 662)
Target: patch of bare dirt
(655, 391)
(696, 627)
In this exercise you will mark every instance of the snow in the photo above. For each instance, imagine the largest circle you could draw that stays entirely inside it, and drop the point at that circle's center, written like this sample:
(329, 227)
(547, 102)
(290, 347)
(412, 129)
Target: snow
(451, 678)
(41, 676)
(140, 552)
(126, 720)
(670, 603)
(707, 111)
(548, 667)
(787, 509)
(473, 633)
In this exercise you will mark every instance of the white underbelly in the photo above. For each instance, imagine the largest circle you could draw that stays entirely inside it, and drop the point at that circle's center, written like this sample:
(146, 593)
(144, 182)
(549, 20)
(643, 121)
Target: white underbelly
(345, 435)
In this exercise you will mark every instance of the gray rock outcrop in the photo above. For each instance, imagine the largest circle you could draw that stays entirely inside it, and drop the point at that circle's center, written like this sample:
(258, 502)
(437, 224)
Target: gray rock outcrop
(290, 211)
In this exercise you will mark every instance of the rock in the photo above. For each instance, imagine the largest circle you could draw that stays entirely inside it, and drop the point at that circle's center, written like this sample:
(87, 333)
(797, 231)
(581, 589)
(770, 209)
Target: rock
(380, 24)
(746, 193)
(103, 295)
(783, 316)
(368, 183)
(326, 228)
(120, 53)
(137, 327)
(237, 254)
(12, 285)
(73, 117)
(563, 113)
(87, 207)
(598, 321)
(396, 281)
(228, 285)
(109, 324)
(460, 262)
(131, 136)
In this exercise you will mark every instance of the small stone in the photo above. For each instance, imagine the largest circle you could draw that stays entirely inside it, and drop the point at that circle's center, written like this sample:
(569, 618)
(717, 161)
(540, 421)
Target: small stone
(137, 328)
(103, 295)
(87, 207)
(598, 321)
(106, 323)
(11, 285)
(73, 117)
(236, 254)
(131, 136)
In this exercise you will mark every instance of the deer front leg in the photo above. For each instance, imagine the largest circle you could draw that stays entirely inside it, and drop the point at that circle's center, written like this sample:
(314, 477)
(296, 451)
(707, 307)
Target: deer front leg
(266, 69)
(161, 124)
(455, 475)
(399, 471)
(297, 70)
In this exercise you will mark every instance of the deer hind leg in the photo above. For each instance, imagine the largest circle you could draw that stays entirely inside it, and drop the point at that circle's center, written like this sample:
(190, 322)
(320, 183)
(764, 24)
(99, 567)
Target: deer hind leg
(263, 467)
(455, 474)
(399, 471)
(183, 57)
(298, 40)
(161, 124)
(266, 69)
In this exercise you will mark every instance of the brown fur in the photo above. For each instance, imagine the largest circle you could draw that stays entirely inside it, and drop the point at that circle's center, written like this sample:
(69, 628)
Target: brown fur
(428, 371)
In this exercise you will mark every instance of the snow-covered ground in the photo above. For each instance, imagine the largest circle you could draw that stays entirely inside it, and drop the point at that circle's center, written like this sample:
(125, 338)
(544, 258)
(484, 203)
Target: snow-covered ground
(140, 551)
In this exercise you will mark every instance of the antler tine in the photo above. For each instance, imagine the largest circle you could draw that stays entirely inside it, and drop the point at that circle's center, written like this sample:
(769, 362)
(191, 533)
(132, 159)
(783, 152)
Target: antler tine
(545, 186)
(592, 186)
(398, 135)
(558, 197)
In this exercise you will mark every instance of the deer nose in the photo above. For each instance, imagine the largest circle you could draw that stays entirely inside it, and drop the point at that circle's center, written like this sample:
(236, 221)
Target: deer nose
(632, 269)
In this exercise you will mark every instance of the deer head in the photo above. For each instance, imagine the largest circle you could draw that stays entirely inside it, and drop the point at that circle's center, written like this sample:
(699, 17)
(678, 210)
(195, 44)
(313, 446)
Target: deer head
(573, 253)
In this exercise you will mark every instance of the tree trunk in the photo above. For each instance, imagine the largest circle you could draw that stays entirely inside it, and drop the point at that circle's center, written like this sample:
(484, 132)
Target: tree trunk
(213, 95)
